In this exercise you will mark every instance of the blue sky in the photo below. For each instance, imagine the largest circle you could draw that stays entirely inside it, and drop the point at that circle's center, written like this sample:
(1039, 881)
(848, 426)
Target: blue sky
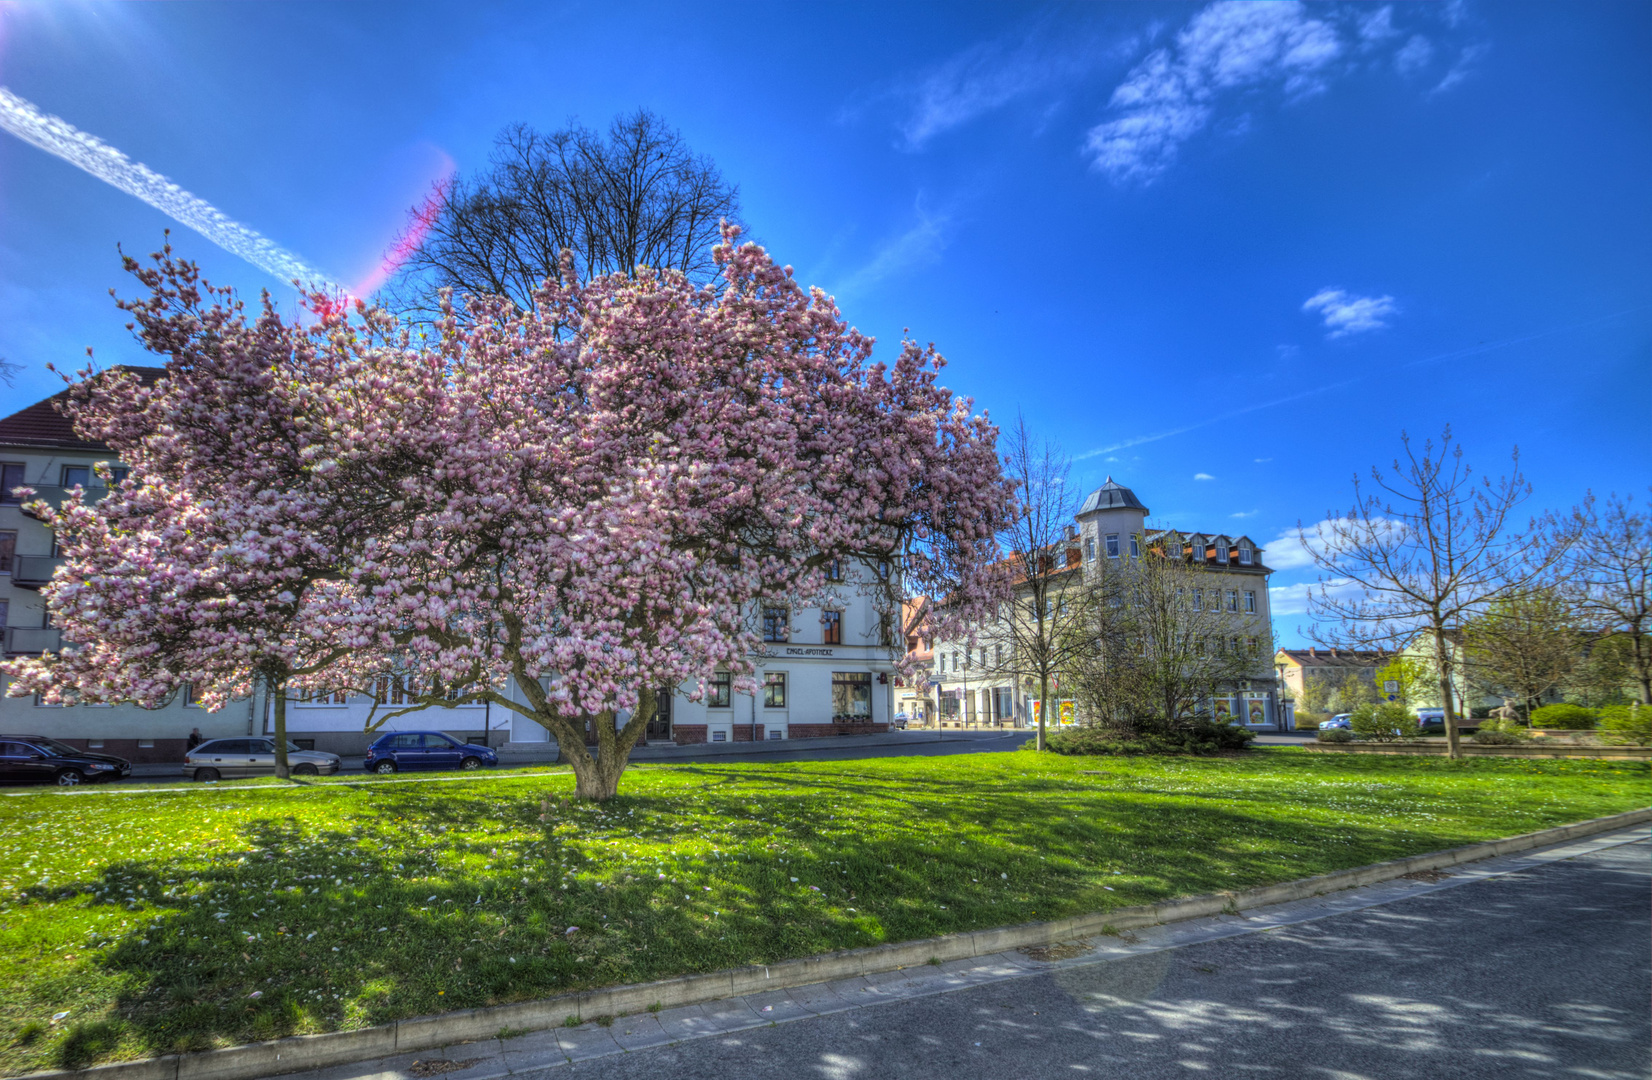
(1222, 253)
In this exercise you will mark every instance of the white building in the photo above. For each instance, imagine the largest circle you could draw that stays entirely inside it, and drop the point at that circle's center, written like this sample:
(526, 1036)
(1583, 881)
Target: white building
(967, 684)
(826, 671)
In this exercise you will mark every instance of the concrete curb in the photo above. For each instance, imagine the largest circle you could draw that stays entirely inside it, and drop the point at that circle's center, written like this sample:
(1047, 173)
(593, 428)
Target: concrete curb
(302, 1052)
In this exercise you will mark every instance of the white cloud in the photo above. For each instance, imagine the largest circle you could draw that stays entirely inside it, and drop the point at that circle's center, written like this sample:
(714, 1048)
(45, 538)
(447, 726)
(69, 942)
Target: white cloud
(919, 245)
(1378, 26)
(1203, 476)
(1170, 95)
(978, 80)
(1245, 514)
(1463, 68)
(1414, 55)
(1293, 599)
(1262, 460)
(1287, 553)
(1348, 314)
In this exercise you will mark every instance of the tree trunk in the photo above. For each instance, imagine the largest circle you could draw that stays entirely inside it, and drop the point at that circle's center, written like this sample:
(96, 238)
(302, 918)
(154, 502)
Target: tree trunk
(1043, 707)
(1454, 743)
(597, 778)
(280, 691)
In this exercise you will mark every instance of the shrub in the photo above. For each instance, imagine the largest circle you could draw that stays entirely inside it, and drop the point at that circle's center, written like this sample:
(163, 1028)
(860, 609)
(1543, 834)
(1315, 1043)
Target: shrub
(1570, 717)
(1626, 724)
(1335, 734)
(1185, 737)
(1383, 723)
(1501, 733)
(1306, 720)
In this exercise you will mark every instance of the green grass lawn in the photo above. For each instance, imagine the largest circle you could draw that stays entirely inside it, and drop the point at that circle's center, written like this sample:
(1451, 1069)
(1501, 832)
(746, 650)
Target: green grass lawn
(181, 919)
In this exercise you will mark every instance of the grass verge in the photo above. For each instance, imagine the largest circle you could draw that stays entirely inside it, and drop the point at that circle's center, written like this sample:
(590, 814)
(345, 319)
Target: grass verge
(141, 924)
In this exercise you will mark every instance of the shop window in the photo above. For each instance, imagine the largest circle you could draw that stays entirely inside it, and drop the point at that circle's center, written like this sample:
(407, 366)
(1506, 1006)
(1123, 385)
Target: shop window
(851, 695)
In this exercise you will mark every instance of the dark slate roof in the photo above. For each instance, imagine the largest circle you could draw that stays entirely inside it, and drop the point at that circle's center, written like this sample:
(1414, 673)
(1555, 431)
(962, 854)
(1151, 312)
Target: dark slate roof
(41, 424)
(1111, 496)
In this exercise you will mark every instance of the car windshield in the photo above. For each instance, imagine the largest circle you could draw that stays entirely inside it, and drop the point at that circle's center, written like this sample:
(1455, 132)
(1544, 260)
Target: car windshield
(54, 748)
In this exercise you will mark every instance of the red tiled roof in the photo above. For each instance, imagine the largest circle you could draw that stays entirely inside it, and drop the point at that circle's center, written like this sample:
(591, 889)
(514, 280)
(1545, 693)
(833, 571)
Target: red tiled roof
(41, 424)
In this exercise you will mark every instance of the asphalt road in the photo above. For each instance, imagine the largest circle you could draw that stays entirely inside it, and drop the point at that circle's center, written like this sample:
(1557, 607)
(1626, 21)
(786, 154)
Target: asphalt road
(1538, 973)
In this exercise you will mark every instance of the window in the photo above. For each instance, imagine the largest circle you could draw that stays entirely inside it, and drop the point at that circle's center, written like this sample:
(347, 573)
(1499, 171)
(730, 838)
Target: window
(1112, 545)
(1233, 599)
(1244, 555)
(407, 742)
(1250, 601)
(777, 735)
(719, 736)
(831, 623)
(1135, 546)
(1253, 646)
(998, 655)
(11, 476)
(851, 695)
(886, 629)
(1221, 552)
(969, 658)
(1090, 548)
(777, 624)
(8, 549)
(391, 690)
(721, 690)
(834, 570)
(117, 473)
(954, 660)
(1198, 600)
(774, 690)
(191, 696)
(77, 476)
(146, 744)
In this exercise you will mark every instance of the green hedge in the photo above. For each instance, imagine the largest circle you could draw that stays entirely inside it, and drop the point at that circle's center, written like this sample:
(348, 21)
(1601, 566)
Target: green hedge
(1626, 724)
(1570, 717)
(1201, 737)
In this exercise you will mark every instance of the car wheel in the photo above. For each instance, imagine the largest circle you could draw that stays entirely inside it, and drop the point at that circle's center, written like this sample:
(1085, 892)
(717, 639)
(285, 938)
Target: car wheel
(70, 778)
(304, 770)
(206, 776)
(470, 763)
(385, 768)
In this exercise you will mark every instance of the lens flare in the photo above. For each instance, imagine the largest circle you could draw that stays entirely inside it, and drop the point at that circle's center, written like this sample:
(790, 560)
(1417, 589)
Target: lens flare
(424, 217)
(57, 136)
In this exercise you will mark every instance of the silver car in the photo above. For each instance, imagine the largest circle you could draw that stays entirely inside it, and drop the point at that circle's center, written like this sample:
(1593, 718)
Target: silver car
(228, 759)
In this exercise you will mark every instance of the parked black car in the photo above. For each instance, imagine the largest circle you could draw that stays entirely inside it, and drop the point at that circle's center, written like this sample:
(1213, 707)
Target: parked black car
(35, 759)
(425, 750)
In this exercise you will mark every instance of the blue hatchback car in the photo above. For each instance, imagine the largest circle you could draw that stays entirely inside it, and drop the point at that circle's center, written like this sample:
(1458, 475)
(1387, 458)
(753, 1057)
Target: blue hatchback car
(409, 750)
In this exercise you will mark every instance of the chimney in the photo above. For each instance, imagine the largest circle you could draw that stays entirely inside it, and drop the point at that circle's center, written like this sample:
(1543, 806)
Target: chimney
(1313, 652)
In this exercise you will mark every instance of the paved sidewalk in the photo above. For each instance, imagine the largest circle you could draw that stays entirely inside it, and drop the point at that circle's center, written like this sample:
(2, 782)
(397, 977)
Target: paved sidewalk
(700, 1040)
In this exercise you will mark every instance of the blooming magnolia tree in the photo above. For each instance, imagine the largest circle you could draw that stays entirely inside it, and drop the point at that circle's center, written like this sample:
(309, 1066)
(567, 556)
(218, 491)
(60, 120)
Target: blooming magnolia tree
(564, 511)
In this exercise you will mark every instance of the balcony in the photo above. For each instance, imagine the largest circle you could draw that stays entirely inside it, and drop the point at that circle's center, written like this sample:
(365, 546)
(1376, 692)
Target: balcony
(54, 495)
(32, 640)
(33, 571)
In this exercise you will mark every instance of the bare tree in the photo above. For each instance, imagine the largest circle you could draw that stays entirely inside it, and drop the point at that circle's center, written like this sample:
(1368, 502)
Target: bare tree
(1427, 549)
(1156, 642)
(1035, 633)
(1610, 574)
(1523, 645)
(639, 197)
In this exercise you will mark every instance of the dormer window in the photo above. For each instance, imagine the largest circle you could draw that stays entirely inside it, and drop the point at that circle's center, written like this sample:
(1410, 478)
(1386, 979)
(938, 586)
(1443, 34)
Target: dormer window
(1221, 552)
(1245, 555)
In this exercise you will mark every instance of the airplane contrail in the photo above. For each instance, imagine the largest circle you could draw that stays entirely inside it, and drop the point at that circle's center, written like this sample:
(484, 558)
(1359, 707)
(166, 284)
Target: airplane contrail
(91, 154)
